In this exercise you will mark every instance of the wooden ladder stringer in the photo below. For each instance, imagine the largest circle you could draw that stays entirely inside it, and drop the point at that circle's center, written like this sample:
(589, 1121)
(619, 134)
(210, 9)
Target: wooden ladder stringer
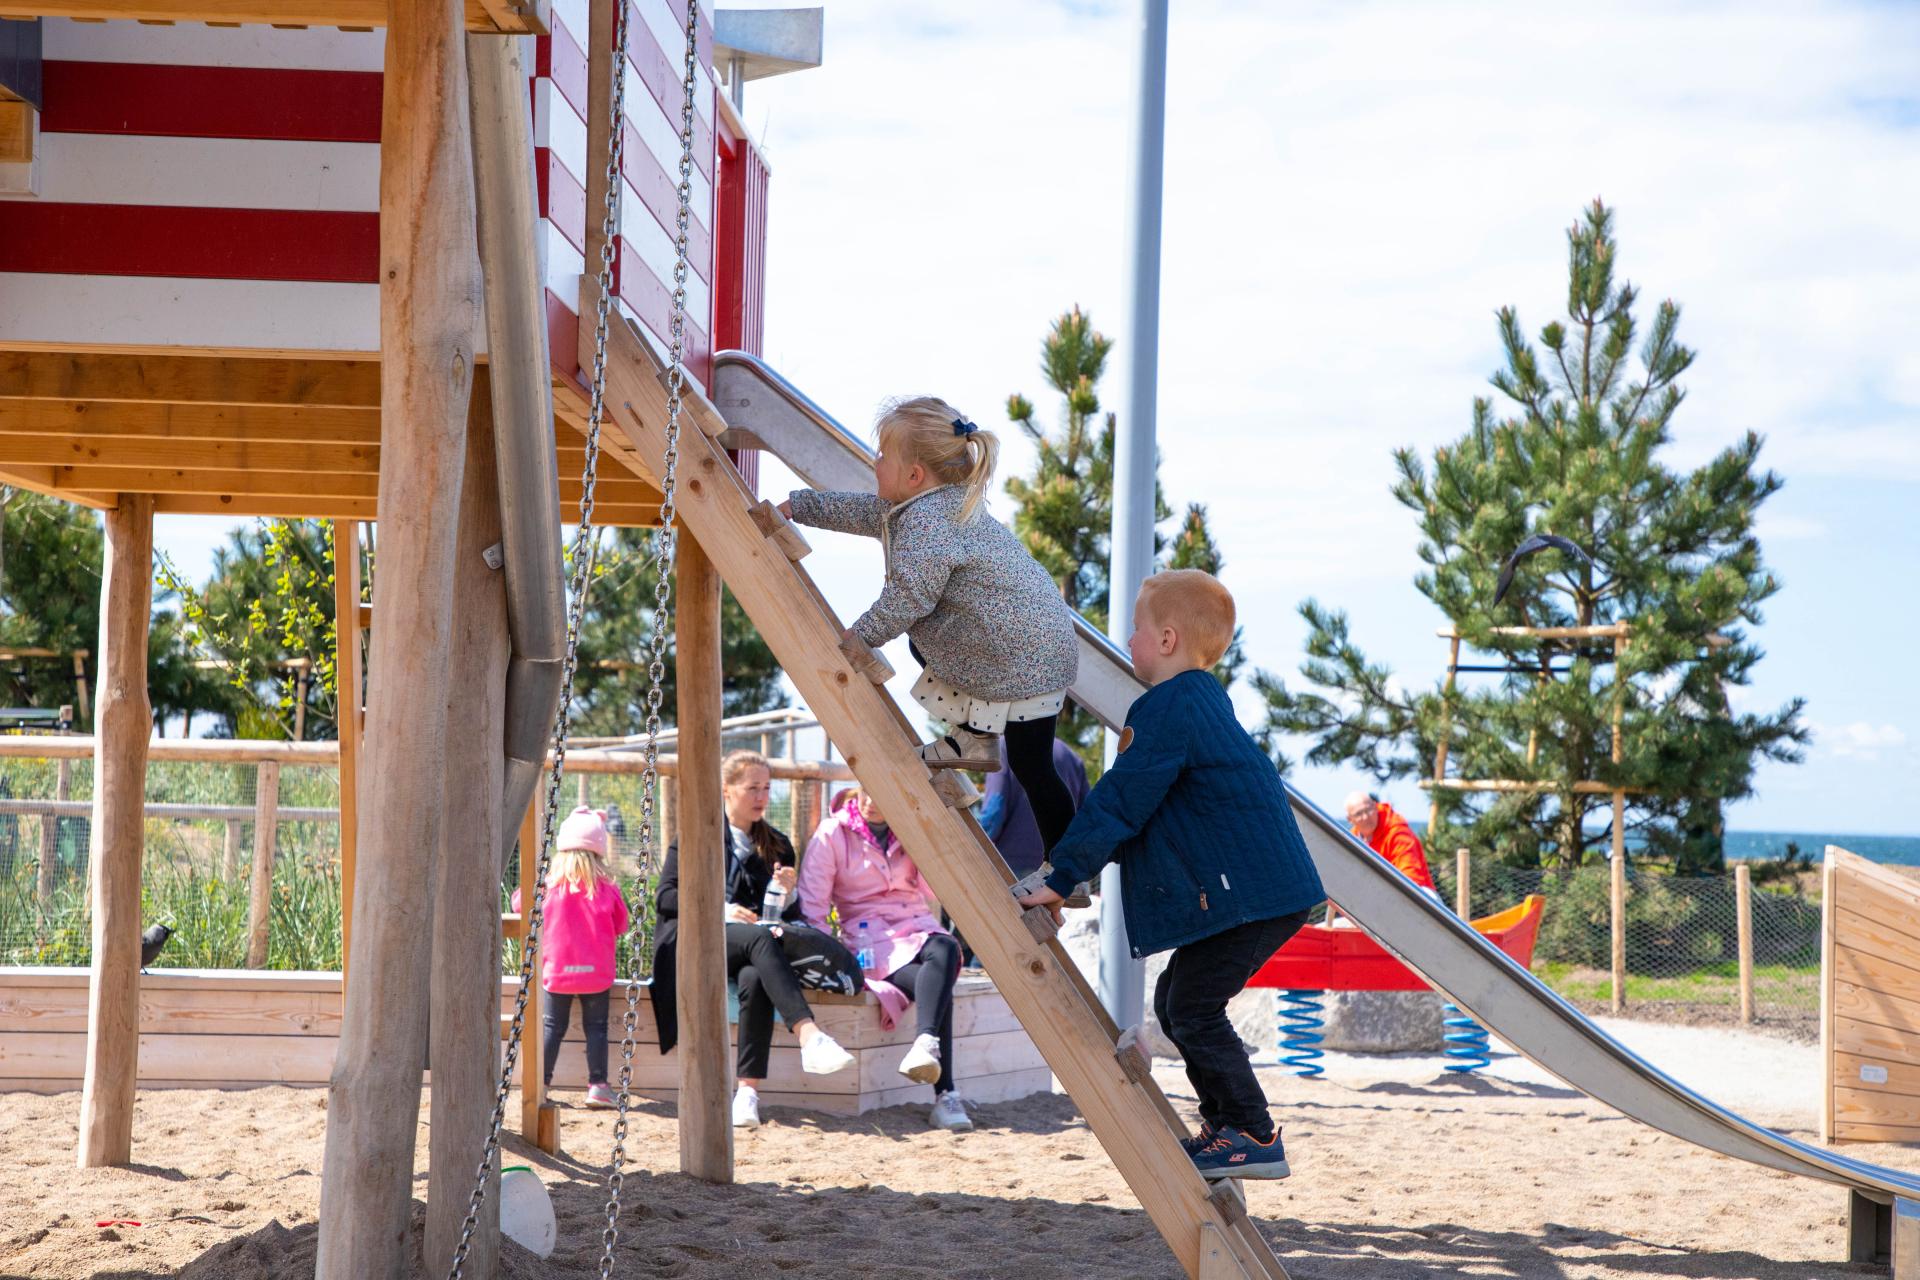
(1207, 1228)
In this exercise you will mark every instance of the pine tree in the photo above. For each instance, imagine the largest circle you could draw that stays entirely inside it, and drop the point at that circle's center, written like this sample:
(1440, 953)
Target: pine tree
(1065, 506)
(1675, 556)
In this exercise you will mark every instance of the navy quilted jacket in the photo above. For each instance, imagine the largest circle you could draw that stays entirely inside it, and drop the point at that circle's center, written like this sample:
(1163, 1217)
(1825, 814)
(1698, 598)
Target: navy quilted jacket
(1194, 813)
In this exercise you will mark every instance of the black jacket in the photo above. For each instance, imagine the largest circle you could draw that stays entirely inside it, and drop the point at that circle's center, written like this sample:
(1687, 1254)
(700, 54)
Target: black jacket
(748, 876)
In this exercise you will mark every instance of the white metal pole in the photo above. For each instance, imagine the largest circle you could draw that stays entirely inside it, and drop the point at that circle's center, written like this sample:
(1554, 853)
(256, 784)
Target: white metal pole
(1122, 978)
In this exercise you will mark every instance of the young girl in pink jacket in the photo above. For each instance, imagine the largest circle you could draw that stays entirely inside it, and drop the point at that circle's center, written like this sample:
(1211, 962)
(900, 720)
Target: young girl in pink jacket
(888, 912)
(585, 916)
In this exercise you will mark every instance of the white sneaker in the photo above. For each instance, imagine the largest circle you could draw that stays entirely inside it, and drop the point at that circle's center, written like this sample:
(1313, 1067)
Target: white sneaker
(950, 1113)
(822, 1056)
(922, 1063)
(963, 748)
(746, 1108)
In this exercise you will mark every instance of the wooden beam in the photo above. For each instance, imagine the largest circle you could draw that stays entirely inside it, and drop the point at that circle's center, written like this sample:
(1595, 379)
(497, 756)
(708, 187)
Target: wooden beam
(39, 372)
(125, 718)
(1609, 631)
(16, 132)
(1521, 786)
(349, 705)
(110, 419)
(429, 313)
(464, 1028)
(539, 1119)
(77, 456)
(250, 504)
(706, 1066)
(282, 484)
(512, 17)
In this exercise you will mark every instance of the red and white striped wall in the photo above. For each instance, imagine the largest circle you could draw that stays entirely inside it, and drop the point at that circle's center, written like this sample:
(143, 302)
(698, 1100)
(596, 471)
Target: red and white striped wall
(219, 187)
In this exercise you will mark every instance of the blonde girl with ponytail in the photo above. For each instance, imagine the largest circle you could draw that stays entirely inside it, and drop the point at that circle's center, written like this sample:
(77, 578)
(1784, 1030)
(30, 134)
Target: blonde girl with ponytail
(980, 614)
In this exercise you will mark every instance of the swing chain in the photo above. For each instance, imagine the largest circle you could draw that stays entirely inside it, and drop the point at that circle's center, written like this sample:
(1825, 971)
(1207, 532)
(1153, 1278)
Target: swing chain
(582, 566)
(662, 614)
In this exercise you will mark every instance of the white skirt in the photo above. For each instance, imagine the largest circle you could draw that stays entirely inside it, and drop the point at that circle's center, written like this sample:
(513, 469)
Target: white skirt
(957, 707)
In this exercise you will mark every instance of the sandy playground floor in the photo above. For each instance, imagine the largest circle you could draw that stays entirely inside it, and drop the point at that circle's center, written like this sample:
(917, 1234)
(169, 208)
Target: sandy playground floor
(1400, 1171)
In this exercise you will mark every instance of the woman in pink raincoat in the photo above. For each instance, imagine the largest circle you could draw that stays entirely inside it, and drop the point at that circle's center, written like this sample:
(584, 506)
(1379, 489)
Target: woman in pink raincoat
(888, 912)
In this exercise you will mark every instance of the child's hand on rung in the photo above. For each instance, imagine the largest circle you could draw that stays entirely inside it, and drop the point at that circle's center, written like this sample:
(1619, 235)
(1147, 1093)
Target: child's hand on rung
(1044, 897)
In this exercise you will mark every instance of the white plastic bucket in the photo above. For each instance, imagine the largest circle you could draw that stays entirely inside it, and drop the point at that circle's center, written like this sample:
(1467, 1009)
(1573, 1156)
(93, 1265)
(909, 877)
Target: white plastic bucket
(526, 1211)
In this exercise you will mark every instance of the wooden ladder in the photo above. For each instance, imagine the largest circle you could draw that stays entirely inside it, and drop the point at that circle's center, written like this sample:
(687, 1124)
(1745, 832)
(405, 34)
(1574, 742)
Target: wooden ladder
(758, 553)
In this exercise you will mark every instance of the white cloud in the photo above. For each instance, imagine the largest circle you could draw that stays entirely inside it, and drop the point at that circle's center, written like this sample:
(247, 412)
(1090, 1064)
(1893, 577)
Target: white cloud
(1859, 740)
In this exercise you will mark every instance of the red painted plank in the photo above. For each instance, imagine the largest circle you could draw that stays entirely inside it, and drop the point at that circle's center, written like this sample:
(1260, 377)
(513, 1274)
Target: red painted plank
(563, 339)
(652, 300)
(661, 73)
(563, 201)
(218, 244)
(562, 59)
(211, 102)
(661, 194)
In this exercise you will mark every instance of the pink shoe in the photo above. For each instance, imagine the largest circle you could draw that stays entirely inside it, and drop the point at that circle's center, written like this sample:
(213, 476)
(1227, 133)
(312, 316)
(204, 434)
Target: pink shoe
(600, 1097)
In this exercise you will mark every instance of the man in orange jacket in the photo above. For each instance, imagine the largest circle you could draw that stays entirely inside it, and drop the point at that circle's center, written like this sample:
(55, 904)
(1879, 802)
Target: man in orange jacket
(1388, 835)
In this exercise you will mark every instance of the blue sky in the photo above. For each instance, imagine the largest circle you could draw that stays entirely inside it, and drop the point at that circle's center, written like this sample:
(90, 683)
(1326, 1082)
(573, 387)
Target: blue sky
(1353, 188)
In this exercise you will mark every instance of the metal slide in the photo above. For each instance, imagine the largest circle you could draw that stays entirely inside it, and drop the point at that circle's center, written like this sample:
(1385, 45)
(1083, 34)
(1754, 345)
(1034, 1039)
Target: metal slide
(766, 412)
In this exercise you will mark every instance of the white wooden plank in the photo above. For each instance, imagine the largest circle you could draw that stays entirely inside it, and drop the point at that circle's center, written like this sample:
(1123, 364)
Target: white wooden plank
(193, 44)
(148, 310)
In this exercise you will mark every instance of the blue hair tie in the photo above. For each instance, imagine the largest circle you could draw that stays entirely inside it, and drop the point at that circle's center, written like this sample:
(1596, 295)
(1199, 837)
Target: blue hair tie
(961, 427)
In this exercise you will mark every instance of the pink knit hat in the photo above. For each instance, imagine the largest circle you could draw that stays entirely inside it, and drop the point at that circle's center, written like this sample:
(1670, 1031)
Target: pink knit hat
(585, 829)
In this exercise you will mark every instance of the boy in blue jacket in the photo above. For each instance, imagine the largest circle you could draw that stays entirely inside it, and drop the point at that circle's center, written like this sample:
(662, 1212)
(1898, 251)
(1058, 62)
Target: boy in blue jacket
(1213, 864)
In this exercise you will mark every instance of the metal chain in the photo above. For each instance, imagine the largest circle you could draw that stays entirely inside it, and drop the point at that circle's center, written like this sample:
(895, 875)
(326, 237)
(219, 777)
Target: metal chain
(535, 895)
(662, 614)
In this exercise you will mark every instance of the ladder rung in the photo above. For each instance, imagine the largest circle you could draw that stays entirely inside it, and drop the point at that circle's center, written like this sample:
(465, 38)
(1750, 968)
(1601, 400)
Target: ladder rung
(1039, 922)
(1134, 1059)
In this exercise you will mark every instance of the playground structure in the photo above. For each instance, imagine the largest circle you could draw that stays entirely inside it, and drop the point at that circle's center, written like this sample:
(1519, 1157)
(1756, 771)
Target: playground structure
(1322, 958)
(1869, 1002)
(414, 433)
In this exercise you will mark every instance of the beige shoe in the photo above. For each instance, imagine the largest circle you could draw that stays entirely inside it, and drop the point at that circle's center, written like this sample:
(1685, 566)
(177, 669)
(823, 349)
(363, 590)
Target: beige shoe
(963, 748)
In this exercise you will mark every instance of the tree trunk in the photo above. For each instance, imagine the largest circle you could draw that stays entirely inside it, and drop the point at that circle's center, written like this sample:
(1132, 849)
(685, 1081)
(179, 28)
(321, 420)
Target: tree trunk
(119, 835)
(429, 308)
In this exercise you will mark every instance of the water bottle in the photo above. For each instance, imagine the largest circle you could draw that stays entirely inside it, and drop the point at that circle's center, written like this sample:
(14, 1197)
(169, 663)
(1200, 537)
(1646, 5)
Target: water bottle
(863, 953)
(774, 903)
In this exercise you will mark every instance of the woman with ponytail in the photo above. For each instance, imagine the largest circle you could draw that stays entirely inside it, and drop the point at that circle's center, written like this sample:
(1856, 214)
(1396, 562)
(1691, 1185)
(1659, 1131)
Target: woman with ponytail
(980, 613)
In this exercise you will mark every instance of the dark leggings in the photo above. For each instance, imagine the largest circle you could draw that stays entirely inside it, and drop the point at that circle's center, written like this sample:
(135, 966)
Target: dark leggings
(757, 965)
(929, 979)
(1030, 755)
(593, 1020)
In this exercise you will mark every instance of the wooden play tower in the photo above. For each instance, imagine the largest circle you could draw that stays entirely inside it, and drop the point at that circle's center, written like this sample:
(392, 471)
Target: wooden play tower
(272, 303)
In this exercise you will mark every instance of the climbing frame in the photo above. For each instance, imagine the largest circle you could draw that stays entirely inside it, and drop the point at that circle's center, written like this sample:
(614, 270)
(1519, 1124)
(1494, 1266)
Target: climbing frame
(1207, 1229)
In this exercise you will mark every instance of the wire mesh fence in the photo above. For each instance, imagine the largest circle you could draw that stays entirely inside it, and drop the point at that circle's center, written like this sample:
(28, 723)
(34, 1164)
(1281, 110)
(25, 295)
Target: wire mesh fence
(1682, 941)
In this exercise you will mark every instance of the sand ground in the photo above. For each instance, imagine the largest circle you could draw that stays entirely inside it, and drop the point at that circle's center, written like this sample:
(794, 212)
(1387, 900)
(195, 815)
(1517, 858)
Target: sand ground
(1400, 1171)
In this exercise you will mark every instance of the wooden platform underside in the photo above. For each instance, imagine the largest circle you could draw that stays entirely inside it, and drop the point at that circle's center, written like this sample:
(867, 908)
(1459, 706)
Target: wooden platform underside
(293, 434)
(500, 17)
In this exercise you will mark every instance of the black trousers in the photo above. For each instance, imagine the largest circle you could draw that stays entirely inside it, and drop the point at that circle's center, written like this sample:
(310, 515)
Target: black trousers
(1030, 756)
(1191, 1002)
(593, 1020)
(758, 966)
(929, 979)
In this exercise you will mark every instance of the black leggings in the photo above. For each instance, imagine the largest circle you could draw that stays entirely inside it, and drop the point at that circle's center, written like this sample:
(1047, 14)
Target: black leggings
(1030, 755)
(929, 979)
(757, 965)
(593, 1020)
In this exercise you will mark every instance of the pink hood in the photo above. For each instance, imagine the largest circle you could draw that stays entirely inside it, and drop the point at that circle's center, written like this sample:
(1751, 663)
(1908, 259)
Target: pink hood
(844, 867)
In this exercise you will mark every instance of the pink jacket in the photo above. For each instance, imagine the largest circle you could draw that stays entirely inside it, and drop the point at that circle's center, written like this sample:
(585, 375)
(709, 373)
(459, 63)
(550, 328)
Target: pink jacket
(579, 937)
(844, 867)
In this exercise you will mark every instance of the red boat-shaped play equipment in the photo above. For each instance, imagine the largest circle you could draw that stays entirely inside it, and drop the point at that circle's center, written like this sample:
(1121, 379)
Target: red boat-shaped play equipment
(1321, 958)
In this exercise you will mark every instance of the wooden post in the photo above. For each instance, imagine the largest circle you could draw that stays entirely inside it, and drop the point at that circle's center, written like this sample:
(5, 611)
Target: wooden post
(706, 1066)
(230, 851)
(1743, 892)
(266, 830)
(1463, 883)
(300, 704)
(348, 710)
(119, 835)
(464, 1029)
(429, 313)
(47, 878)
(539, 1119)
(1617, 874)
(668, 802)
(580, 788)
(1446, 726)
(80, 684)
(1829, 920)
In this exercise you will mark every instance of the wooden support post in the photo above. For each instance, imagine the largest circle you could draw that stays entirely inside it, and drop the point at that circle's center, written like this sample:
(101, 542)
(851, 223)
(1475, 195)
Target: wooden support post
(464, 1029)
(47, 879)
(1617, 901)
(119, 835)
(706, 1065)
(1743, 908)
(1446, 726)
(80, 686)
(266, 831)
(429, 314)
(1463, 883)
(668, 802)
(230, 851)
(539, 1119)
(349, 701)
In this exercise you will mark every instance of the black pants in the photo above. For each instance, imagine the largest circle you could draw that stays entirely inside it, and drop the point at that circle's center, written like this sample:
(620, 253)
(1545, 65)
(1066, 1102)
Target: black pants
(758, 966)
(1191, 1002)
(593, 1020)
(929, 979)
(1030, 757)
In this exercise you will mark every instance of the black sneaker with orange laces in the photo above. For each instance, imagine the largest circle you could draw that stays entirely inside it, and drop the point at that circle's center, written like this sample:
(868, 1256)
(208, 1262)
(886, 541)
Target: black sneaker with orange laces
(1233, 1154)
(1198, 1142)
